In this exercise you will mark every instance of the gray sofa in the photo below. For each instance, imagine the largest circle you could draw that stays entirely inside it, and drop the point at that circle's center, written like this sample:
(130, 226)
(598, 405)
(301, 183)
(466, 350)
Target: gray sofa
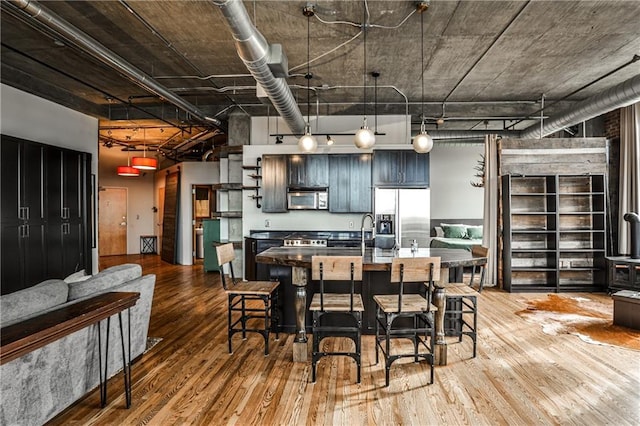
(39, 385)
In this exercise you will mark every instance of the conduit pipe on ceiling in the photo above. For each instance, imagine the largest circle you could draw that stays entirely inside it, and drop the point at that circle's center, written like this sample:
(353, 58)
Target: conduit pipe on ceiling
(253, 49)
(49, 20)
(470, 134)
(621, 95)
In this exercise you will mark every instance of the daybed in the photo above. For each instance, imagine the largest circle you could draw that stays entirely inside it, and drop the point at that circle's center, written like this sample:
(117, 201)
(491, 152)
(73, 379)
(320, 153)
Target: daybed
(461, 235)
(42, 383)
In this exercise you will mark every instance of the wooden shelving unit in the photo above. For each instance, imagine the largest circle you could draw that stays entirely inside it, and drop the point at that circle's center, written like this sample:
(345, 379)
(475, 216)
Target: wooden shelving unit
(554, 232)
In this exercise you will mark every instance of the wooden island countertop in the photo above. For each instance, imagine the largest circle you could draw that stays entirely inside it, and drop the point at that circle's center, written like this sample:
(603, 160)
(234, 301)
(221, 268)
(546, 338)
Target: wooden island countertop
(375, 259)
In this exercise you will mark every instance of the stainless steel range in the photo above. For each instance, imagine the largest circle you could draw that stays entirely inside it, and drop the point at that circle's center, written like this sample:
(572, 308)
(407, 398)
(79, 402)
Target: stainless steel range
(299, 239)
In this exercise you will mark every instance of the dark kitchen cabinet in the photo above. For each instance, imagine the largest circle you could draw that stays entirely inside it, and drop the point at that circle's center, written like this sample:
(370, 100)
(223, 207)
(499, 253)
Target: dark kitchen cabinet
(274, 183)
(308, 170)
(45, 213)
(252, 247)
(400, 169)
(350, 183)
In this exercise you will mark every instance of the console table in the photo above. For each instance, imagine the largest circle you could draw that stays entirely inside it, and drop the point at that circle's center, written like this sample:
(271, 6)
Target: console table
(624, 273)
(31, 334)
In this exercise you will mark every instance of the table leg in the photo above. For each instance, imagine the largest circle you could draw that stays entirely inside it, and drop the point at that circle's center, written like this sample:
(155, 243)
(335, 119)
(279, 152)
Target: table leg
(439, 300)
(299, 279)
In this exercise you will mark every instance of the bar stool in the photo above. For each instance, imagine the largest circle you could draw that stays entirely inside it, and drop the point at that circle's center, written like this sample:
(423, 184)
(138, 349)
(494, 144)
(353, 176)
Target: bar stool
(461, 315)
(240, 294)
(336, 306)
(415, 307)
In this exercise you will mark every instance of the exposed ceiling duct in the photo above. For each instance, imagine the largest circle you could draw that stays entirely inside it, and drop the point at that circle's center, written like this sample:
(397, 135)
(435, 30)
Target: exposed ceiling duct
(256, 54)
(37, 13)
(621, 95)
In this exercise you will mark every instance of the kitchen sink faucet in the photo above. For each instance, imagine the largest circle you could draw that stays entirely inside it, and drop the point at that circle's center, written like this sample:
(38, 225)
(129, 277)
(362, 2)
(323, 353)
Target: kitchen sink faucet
(373, 229)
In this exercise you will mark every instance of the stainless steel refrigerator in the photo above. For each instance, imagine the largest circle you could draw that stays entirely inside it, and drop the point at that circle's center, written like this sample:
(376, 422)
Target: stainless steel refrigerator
(408, 210)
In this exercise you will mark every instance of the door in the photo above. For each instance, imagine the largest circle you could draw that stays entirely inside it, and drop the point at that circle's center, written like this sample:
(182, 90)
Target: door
(112, 221)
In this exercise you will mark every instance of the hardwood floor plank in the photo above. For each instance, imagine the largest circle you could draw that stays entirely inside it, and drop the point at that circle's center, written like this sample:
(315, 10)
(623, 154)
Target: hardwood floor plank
(520, 376)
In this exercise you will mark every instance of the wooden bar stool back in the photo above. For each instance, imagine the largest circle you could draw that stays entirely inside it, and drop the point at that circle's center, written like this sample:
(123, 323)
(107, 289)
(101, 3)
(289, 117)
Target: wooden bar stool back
(332, 311)
(408, 315)
(252, 305)
(461, 315)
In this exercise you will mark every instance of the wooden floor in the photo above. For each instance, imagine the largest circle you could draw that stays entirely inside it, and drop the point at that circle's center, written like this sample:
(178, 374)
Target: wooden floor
(521, 376)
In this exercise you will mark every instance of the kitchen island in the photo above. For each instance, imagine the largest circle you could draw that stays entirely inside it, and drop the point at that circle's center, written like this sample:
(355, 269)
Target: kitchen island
(290, 266)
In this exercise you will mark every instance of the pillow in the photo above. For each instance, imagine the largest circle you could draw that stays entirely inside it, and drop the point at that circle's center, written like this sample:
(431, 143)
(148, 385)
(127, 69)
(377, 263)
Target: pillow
(474, 232)
(105, 280)
(454, 231)
(439, 231)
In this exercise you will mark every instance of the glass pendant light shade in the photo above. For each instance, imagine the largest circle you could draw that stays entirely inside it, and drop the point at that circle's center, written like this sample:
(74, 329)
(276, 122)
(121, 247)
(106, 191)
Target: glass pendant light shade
(128, 171)
(307, 143)
(422, 142)
(144, 163)
(365, 138)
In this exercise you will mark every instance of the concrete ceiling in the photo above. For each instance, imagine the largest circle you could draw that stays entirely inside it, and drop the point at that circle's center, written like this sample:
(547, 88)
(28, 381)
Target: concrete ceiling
(487, 64)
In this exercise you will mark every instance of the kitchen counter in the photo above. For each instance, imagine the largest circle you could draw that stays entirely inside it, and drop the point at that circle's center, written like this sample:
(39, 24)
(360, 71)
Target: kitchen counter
(290, 266)
(329, 235)
(374, 259)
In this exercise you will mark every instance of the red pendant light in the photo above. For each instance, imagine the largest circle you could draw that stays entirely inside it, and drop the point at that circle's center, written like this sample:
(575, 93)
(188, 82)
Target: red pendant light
(128, 171)
(144, 163)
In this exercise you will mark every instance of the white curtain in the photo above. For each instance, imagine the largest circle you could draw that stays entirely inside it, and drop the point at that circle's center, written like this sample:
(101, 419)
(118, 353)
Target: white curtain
(490, 224)
(629, 184)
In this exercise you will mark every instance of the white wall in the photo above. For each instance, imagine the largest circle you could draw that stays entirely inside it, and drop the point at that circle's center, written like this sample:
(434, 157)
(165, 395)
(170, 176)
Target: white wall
(191, 173)
(452, 171)
(29, 117)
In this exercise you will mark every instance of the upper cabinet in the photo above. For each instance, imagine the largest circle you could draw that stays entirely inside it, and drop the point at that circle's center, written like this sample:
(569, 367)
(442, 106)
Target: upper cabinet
(400, 168)
(350, 183)
(274, 183)
(308, 171)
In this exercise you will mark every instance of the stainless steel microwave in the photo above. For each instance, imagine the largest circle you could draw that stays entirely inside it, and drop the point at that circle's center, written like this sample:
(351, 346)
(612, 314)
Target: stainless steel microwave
(307, 200)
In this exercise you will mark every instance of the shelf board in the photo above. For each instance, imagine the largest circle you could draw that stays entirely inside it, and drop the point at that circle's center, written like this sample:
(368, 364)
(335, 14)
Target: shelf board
(251, 167)
(254, 176)
(218, 215)
(537, 194)
(532, 231)
(251, 187)
(227, 186)
(532, 269)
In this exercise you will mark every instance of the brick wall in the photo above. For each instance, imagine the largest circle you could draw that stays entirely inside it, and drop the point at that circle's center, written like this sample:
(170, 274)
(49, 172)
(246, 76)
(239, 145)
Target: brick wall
(612, 124)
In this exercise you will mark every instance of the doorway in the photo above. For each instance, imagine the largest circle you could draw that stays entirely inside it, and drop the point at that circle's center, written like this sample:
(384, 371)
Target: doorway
(203, 204)
(112, 221)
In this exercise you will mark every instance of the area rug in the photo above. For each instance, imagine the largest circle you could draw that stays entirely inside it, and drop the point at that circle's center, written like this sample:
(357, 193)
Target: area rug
(151, 342)
(589, 319)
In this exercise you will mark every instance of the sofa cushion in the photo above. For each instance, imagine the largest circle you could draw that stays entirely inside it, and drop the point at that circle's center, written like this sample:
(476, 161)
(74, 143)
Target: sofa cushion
(104, 280)
(77, 276)
(28, 301)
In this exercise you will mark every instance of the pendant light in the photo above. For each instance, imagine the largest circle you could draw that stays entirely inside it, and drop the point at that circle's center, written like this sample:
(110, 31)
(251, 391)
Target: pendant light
(307, 143)
(127, 170)
(422, 142)
(365, 138)
(144, 163)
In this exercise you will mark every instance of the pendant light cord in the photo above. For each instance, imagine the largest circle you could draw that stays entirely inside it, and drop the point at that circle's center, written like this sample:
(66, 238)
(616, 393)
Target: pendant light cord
(422, 64)
(364, 76)
(308, 76)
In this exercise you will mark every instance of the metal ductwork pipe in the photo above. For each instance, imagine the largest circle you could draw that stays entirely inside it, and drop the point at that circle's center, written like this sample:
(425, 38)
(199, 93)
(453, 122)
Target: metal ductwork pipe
(621, 95)
(41, 15)
(254, 51)
(470, 134)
